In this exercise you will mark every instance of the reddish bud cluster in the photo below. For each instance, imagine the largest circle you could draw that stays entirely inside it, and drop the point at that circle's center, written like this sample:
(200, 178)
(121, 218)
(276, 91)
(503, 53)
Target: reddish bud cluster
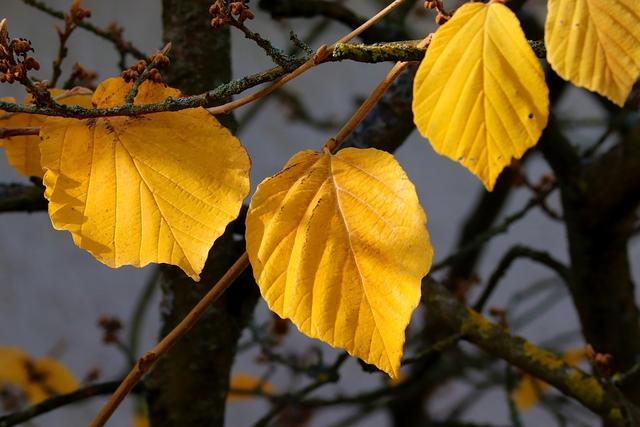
(601, 362)
(15, 61)
(442, 16)
(150, 67)
(76, 13)
(110, 326)
(221, 14)
(80, 76)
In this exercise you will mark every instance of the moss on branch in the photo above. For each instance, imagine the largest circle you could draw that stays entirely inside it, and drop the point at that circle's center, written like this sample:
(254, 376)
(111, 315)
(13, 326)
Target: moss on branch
(381, 52)
(497, 341)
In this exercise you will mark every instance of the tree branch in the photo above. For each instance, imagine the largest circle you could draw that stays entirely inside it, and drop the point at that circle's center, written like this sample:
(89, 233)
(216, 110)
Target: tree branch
(509, 258)
(59, 401)
(22, 198)
(496, 341)
(122, 46)
(397, 51)
(9, 132)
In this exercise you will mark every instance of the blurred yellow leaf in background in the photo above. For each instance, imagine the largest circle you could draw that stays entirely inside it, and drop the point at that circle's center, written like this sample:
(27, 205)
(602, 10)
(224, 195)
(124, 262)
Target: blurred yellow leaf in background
(37, 378)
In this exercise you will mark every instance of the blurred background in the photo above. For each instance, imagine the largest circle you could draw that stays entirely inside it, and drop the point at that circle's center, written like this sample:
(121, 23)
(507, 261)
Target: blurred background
(52, 293)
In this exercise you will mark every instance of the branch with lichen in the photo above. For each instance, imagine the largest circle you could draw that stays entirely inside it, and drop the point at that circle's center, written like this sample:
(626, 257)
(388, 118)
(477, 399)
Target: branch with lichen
(497, 341)
(396, 51)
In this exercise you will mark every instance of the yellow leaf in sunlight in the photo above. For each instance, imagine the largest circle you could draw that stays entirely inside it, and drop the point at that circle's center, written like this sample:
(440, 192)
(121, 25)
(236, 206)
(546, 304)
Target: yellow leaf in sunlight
(39, 378)
(135, 190)
(529, 389)
(479, 95)
(23, 152)
(243, 384)
(338, 244)
(595, 44)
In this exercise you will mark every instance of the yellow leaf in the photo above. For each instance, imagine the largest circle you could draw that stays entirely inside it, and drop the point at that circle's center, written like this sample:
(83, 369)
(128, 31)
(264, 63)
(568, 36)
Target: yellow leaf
(595, 44)
(338, 245)
(23, 152)
(241, 382)
(37, 378)
(134, 190)
(479, 94)
(528, 392)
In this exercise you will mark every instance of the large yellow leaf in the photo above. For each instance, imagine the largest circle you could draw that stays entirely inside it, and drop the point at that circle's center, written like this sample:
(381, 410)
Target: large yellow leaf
(338, 245)
(479, 94)
(135, 190)
(23, 152)
(595, 44)
(37, 378)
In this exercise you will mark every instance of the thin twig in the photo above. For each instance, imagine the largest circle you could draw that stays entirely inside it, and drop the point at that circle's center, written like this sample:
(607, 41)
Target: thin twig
(508, 259)
(122, 46)
(277, 55)
(334, 143)
(489, 234)
(59, 401)
(223, 91)
(331, 376)
(9, 132)
(437, 347)
(146, 362)
(137, 318)
(321, 54)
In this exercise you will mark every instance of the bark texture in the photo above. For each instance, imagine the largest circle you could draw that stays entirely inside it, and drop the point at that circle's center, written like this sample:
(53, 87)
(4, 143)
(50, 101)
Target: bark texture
(189, 386)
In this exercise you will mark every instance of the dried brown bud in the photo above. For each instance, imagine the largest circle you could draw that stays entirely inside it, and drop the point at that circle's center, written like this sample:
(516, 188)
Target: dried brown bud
(218, 22)
(159, 59)
(110, 326)
(236, 7)
(4, 31)
(139, 66)
(246, 14)
(155, 76)
(93, 375)
(129, 75)
(81, 76)
(21, 46)
(214, 9)
(19, 71)
(601, 361)
(78, 13)
(441, 19)
(430, 4)
(31, 63)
